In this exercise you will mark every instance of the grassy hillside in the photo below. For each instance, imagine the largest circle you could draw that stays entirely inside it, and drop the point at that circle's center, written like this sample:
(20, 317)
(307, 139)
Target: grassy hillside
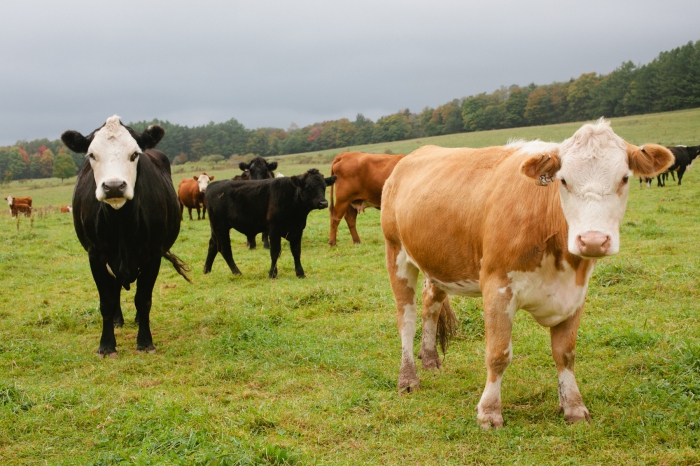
(289, 371)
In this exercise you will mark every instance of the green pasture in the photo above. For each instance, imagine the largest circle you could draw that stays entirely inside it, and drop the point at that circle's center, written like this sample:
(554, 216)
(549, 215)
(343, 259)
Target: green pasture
(288, 371)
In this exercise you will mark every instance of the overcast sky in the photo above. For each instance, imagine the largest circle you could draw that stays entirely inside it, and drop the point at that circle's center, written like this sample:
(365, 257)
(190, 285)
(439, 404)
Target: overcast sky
(71, 64)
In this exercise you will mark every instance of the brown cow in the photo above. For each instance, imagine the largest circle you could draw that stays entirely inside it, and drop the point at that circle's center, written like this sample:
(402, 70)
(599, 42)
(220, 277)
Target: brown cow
(359, 185)
(19, 204)
(190, 193)
(65, 209)
(521, 225)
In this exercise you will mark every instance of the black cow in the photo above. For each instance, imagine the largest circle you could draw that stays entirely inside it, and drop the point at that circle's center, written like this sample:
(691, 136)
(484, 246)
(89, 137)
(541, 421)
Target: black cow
(684, 156)
(126, 215)
(279, 206)
(257, 169)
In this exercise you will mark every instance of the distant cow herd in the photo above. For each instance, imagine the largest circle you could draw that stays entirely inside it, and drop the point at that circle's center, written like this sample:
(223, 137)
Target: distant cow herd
(520, 225)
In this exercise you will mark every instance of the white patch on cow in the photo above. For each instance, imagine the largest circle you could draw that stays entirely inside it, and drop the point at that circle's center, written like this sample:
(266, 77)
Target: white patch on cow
(594, 162)
(9, 201)
(360, 206)
(109, 269)
(110, 155)
(279, 175)
(568, 389)
(70, 208)
(533, 147)
(491, 396)
(203, 181)
(463, 287)
(503, 290)
(550, 295)
(408, 331)
(508, 352)
(406, 268)
(430, 328)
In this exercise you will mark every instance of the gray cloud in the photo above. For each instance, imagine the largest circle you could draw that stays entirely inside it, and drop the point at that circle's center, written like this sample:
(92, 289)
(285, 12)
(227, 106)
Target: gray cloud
(72, 64)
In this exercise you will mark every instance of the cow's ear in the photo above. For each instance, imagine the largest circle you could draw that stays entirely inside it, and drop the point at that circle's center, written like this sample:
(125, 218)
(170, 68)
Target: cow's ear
(196, 178)
(649, 160)
(211, 178)
(76, 141)
(151, 137)
(329, 181)
(297, 181)
(541, 168)
(271, 166)
(243, 166)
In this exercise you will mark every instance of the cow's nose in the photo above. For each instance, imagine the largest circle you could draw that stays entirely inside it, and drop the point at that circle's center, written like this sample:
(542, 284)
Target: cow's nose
(593, 244)
(323, 204)
(114, 189)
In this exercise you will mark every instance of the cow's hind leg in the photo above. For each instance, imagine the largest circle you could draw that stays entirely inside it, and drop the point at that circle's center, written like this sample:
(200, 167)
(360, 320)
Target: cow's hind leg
(404, 276)
(439, 323)
(499, 310)
(266, 240)
(295, 246)
(223, 241)
(142, 300)
(275, 251)
(339, 211)
(109, 291)
(211, 254)
(563, 338)
(351, 220)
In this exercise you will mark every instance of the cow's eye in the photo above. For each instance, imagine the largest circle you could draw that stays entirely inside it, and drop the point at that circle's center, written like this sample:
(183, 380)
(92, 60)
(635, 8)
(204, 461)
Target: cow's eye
(134, 156)
(625, 179)
(563, 181)
(91, 155)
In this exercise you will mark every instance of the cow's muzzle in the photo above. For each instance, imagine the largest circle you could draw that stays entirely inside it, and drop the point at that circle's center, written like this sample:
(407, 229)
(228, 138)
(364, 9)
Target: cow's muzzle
(322, 205)
(593, 244)
(114, 189)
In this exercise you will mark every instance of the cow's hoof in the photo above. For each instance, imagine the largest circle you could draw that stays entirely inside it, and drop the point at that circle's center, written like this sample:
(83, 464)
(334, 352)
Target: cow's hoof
(576, 414)
(356, 242)
(237, 272)
(301, 275)
(118, 323)
(111, 352)
(148, 348)
(489, 421)
(408, 386)
(431, 361)
(332, 243)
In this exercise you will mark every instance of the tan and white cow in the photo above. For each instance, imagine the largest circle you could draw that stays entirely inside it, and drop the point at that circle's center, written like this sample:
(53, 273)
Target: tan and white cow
(521, 225)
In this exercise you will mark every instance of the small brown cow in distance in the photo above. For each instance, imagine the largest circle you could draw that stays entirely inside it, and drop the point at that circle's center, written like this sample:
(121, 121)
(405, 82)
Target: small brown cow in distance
(190, 193)
(66, 209)
(360, 181)
(20, 204)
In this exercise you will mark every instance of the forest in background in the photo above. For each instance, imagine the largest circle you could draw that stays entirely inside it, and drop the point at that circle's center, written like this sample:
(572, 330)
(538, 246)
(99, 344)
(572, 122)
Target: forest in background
(669, 82)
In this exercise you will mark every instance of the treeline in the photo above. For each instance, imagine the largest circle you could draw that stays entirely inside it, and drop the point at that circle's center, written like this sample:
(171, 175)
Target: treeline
(670, 82)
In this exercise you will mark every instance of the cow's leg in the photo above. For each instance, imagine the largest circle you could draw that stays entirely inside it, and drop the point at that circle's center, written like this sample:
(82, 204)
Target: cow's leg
(266, 240)
(198, 211)
(251, 242)
(659, 180)
(673, 175)
(403, 277)
(339, 211)
(295, 246)
(109, 290)
(211, 254)
(433, 297)
(142, 300)
(563, 338)
(351, 220)
(204, 211)
(681, 171)
(118, 316)
(499, 310)
(275, 251)
(182, 209)
(189, 210)
(223, 241)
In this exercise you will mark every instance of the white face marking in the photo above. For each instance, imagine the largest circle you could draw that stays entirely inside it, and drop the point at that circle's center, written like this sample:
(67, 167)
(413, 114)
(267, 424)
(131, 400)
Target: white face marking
(593, 194)
(111, 153)
(203, 182)
(463, 287)
(406, 268)
(9, 201)
(548, 294)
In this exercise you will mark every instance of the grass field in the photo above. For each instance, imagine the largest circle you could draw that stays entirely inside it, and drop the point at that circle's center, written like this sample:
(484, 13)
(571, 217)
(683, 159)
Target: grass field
(289, 371)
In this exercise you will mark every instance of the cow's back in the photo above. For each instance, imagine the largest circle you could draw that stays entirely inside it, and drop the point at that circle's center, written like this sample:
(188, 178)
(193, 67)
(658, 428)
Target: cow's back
(455, 211)
(365, 174)
(188, 192)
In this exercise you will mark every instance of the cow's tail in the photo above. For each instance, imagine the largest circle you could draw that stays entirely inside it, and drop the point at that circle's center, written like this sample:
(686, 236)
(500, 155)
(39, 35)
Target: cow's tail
(446, 325)
(180, 266)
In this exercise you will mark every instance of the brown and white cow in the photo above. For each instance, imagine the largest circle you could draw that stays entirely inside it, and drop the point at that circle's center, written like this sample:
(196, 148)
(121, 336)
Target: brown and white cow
(66, 209)
(190, 193)
(521, 225)
(19, 205)
(359, 185)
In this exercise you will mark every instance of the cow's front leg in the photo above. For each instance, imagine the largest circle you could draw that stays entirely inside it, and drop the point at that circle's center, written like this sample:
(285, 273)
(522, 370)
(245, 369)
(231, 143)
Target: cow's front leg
(109, 291)
(251, 242)
(563, 338)
(295, 246)
(275, 251)
(223, 241)
(266, 240)
(499, 309)
(142, 300)
(211, 254)
(438, 324)
(351, 220)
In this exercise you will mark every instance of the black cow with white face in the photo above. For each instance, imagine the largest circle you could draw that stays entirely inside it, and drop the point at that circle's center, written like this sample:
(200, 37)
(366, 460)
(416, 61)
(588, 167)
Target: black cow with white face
(126, 215)
(279, 206)
(257, 169)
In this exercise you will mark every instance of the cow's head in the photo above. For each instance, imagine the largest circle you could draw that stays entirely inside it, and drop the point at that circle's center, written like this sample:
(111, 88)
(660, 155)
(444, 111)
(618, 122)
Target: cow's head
(312, 188)
(260, 169)
(114, 151)
(592, 169)
(9, 200)
(203, 181)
